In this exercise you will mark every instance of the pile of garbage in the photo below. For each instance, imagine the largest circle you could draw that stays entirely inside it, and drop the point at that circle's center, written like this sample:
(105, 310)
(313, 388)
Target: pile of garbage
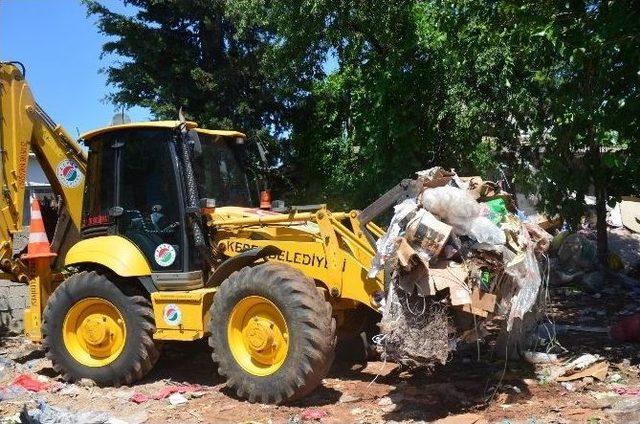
(456, 257)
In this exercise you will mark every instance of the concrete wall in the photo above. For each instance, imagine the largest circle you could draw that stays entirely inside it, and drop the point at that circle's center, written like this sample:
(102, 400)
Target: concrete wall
(13, 301)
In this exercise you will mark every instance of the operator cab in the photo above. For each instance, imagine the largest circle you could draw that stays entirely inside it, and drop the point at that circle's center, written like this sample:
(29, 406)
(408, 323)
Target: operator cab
(137, 187)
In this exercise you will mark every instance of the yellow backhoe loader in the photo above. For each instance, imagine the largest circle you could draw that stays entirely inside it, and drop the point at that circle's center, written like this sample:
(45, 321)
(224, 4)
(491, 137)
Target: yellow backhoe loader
(163, 241)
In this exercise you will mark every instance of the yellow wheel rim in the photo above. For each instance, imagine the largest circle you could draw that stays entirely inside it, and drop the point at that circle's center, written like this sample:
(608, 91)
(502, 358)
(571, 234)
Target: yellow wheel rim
(94, 332)
(258, 336)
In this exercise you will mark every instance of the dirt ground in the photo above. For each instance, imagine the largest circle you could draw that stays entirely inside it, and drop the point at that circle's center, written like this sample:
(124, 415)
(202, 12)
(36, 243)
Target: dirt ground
(488, 390)
(465, 391)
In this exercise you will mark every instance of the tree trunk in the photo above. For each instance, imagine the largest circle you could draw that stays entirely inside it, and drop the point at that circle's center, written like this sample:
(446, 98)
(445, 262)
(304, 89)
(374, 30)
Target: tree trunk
(601, 224)
(600, 187)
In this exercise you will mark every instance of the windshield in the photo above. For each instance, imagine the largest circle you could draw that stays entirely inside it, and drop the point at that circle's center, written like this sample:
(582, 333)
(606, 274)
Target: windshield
(219, 172)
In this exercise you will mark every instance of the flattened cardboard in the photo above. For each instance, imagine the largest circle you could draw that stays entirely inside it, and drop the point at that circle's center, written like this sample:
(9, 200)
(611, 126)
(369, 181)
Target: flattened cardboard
(445, 275)
(598, 371)
(428, 232)
(475, 311)
(437, 182)
(415, 270)
(483, 301)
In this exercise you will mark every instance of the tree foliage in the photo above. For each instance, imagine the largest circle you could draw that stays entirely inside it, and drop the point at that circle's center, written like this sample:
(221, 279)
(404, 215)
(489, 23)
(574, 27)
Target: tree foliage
(175, 53)
(414, 86)
(590, 83)
(362, 94)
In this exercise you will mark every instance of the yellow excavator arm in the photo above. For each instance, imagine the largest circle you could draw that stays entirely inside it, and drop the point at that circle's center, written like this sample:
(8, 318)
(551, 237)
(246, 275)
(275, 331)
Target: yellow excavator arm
(26, 128)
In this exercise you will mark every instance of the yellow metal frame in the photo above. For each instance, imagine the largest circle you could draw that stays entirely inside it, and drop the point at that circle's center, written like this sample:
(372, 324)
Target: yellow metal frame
(192, 309)
(26, 128)
(113, 252)
(317, 243)
(40, 288)
(159, 124)
(330, 252)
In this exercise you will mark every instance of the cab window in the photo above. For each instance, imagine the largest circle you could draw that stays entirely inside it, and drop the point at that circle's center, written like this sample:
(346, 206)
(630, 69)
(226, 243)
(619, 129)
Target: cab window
(148, 195)
(219, 173)
(99, 191)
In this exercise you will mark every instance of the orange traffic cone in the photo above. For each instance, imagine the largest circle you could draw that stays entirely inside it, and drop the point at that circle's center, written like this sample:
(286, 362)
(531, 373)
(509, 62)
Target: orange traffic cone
(38, 242)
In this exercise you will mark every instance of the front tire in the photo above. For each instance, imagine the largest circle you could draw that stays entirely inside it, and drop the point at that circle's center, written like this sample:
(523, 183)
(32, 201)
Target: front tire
(91, 329)
(272, 333)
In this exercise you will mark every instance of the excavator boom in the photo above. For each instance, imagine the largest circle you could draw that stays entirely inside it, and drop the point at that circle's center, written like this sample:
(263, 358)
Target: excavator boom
(26, 128)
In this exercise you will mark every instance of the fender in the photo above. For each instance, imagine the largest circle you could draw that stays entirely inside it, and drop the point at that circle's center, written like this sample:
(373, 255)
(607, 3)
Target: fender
(113, 252)
(239, 261)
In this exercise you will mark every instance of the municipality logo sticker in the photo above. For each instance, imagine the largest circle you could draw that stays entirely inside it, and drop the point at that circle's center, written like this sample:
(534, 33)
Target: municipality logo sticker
(165, 254)
(172, 314)
(68, 173)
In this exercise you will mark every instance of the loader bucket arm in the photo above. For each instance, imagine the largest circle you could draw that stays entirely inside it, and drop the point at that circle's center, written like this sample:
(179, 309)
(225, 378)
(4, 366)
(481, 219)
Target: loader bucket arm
(406, 189)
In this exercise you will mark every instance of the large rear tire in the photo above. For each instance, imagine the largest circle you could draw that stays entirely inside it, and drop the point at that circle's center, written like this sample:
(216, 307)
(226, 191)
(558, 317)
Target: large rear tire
(272, 333)
(92, 329)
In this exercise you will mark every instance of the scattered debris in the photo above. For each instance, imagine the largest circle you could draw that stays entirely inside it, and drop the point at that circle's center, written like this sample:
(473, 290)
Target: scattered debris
(30, 383)
(457, 256)
(176, 399)
(70, 390)
(630, 213)
(347, 398)
(582, 370)
(633, 391)
(11, 392)
(577, 253)
(46, 414)
(385, 401)
(139, 398)
(313, 414)
(582, 362)
(539, 357)
(6, 363)
(598, 371)
(86, 382)
(187, 388)
(194, 390)
(614, 378)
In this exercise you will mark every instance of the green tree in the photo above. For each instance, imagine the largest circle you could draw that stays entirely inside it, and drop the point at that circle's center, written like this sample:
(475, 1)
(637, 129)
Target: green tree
(590, 102)
(408, 91)
(361, 94)
(550, 85)
(173, 53)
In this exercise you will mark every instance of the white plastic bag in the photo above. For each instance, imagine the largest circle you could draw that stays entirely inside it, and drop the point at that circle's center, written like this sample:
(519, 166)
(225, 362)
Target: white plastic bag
(455, 207)
(482, 229)
(386, 245)
(451, 204)
(526, 273)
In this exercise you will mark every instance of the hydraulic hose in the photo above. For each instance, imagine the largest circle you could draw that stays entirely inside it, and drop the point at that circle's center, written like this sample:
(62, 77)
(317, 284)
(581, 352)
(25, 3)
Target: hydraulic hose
(191, 199)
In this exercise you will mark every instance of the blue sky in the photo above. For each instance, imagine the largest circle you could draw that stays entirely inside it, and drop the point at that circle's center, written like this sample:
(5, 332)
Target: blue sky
(60, 48)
